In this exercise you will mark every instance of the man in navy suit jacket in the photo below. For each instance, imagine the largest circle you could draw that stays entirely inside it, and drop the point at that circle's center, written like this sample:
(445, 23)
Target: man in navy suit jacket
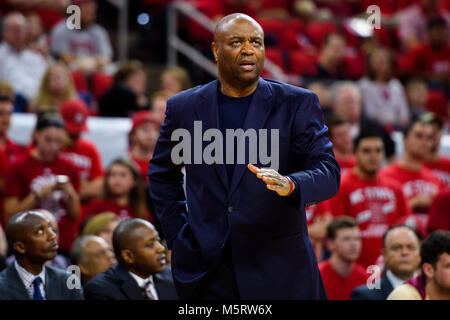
(232, 235)
(33, 240)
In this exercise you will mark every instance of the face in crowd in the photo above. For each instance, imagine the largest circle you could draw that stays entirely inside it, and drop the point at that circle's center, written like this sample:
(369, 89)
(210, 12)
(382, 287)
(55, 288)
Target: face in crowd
(346, 244)
(369, 155)
(419, 141)
(402, 252)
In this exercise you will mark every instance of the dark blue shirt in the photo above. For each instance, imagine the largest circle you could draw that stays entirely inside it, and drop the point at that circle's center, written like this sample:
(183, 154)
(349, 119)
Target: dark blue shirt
(232, 112)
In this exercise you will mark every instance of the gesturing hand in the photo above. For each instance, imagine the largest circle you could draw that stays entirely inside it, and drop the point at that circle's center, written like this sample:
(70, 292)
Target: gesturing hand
(274, 181)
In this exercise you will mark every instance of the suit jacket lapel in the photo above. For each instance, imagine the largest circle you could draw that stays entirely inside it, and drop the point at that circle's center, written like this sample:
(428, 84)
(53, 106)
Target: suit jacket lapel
(129, 286)
(207, 111)
(258, 112)
(17, 284)
(386, 287)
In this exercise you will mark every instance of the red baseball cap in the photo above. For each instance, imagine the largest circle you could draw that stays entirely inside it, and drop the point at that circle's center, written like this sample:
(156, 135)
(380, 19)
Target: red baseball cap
(142, 117)
(75, 113)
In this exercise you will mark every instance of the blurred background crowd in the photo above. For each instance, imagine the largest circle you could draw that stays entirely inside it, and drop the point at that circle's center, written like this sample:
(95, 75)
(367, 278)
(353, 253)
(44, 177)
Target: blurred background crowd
(373, 85)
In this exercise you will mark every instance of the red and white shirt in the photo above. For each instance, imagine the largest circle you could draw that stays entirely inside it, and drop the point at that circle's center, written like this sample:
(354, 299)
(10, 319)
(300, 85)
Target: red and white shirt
(86, 158)
(30, 175)
(376, 204)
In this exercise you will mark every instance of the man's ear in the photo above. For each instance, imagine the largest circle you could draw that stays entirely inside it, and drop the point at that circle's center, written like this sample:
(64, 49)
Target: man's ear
(428, 270)
(19, 247)
(127, 256)
(214, 50)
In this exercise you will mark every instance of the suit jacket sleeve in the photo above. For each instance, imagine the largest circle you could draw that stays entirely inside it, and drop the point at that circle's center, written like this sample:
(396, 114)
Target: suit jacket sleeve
(360, 293)
(319, 177)
(95, 291)
(166, 182)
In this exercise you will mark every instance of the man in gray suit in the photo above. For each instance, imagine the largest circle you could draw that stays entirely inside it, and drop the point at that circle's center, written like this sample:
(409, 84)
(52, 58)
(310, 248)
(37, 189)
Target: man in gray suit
(33, 241)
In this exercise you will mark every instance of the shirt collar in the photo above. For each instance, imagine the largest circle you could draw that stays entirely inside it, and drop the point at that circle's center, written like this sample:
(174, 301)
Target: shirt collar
(141, 281)
(393, 279)
(27, 277)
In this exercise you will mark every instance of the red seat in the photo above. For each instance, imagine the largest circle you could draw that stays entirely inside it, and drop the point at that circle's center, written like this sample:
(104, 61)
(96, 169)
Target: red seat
(318, 30)
(273, 28)
(276, 56)
(101, 83)
(289, 36)
(272, 4)
(302, 63)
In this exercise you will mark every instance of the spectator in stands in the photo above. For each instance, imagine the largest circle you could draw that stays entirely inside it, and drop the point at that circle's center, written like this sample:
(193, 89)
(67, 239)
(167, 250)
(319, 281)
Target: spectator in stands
(142, 137)
(56, 87)
(341, 274)
(383, 96)
(413, 21)
(439, 215)
(434, 282)
(81, 152)
(128, 93)
(19, 101)
(324, 94)
(401, 252)
(330, 62)
(124, 193)
(19, 66)
(339, 131)
(416, 91)
(140, 274)
(318, 216)
(102, 225)
(431, 60)
(347, 102)
(87, 49)
(3, 243)
(439, 164)
(33, 241)
(44, 179)
(59, 261)
(175, 79)
(375, 202)
(159, 104)
(418, 183)
(93, 255)
(37, 39)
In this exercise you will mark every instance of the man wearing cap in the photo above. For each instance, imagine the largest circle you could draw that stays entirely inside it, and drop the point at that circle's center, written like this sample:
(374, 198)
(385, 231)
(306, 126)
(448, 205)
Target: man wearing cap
(82, 153)
(142, 139)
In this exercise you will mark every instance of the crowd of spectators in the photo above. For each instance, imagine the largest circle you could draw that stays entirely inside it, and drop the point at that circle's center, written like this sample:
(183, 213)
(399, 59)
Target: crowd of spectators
(370, 84)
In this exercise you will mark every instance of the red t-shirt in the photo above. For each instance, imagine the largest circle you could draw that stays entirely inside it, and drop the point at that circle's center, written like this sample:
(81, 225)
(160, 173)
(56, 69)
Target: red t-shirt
(86, 158)
(337, 287)
(104, 205)
(375, 204)
(441, 169)
(346, 164)
(142, 166)
(424, 59)
(15, 152)
(316, 210)
(439, 215)
(29, 175)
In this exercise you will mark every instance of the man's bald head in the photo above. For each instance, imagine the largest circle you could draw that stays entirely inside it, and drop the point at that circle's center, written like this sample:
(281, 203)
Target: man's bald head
(20, 223)
(225, 22)
(124, 235)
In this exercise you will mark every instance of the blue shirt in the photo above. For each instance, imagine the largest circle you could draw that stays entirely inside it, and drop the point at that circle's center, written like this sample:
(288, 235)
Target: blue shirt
(232, 112)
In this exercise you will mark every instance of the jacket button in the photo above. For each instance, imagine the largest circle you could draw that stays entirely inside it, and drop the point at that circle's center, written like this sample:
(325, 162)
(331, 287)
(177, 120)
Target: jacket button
(230, 209)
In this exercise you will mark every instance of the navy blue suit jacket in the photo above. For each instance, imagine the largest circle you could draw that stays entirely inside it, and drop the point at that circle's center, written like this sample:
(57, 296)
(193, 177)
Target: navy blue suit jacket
(116, 283)
(272, 254)
(364, 293)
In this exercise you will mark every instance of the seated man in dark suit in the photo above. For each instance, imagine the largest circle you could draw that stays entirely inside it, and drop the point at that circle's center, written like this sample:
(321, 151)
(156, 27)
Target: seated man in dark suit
(140, 274)
(401, 253)
(33, 241)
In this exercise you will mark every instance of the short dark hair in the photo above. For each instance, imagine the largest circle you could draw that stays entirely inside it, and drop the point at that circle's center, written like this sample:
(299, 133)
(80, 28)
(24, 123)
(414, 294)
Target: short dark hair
(49, 119)
(437, 243)
(422, 118)
(6, 98)
(123, 233)
(436, 23)
(365, 135)
(340, 223)
(398, 226)
(334, 120)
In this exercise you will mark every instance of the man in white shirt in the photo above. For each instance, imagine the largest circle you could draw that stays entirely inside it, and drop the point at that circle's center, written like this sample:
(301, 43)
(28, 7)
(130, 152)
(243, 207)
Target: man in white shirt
(22, 68)
(141, 273)
(401, 253)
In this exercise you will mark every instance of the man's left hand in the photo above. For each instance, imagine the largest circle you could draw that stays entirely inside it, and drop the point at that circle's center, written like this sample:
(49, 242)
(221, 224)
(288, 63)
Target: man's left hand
(274, 181)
